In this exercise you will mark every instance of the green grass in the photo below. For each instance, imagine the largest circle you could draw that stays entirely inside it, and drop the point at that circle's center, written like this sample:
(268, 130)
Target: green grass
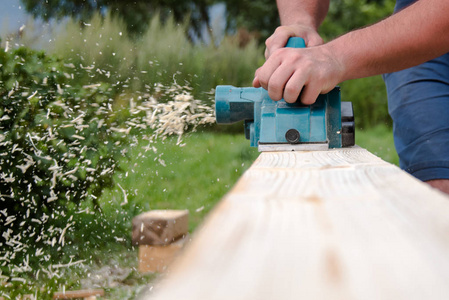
(379, 141)
(192, 177)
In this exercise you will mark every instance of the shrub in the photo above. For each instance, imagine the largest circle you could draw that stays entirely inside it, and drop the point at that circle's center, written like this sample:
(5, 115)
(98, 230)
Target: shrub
(369, 100)
(58, 147)
(347, 15)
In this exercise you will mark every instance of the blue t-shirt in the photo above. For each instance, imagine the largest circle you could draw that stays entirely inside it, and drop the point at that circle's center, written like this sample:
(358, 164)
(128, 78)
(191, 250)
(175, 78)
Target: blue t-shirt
(401, 4)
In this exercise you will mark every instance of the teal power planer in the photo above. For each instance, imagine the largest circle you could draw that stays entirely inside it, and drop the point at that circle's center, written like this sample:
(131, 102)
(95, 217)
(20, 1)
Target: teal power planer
(281, 126)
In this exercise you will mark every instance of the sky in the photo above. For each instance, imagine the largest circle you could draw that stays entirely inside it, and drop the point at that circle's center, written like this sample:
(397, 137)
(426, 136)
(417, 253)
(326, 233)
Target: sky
(12, 15)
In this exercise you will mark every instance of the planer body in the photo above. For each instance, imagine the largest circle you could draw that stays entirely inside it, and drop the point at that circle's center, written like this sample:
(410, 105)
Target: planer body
(281, 126)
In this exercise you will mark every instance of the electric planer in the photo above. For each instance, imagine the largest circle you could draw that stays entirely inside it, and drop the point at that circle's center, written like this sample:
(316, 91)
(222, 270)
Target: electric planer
(281, 126)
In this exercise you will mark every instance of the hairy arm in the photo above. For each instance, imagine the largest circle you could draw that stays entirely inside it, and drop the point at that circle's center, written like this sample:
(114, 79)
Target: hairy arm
(413, 36)
(304, 12)
(418, 33)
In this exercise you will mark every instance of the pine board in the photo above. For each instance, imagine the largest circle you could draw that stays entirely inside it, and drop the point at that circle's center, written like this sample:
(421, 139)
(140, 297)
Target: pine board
(337, 224)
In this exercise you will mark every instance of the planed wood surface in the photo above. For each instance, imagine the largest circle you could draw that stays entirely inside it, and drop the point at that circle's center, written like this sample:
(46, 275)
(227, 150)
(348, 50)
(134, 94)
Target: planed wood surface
(337, 224)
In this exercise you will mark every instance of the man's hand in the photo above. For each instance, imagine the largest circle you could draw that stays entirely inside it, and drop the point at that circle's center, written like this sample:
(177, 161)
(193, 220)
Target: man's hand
(281, 35)
(291, 71)
(286, 82)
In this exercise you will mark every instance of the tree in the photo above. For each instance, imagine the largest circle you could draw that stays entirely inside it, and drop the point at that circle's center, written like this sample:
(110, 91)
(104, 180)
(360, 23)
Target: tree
(347, 15)
(259, 16)
(136, 13)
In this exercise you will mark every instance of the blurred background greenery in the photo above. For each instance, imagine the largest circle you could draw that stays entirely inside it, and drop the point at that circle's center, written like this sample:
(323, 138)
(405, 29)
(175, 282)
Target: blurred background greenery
(101, 60)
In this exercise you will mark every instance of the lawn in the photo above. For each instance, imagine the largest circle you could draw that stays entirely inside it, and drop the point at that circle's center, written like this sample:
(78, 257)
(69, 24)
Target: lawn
(379, 141)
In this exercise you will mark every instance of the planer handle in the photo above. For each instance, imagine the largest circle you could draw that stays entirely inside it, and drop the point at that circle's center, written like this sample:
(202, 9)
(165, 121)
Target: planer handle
(295, 42)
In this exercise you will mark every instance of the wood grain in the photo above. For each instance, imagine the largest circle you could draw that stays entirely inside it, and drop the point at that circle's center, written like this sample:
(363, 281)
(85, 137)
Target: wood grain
(337, 224)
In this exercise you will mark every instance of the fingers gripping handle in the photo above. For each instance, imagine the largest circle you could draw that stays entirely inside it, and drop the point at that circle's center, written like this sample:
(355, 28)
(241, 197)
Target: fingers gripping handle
(295, 42)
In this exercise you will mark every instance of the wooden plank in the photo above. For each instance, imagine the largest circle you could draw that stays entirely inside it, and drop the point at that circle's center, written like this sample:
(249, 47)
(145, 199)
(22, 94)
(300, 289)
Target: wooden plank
(78, 294)
(159, 227)
(338, 224)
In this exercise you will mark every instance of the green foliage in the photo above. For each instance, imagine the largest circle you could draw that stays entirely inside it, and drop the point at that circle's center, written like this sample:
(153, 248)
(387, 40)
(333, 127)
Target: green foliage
(193, 177)
(257, 16)
(162, 55)
(368, 95)
(343, 16)
(378, 140)
(56, 150)
(347, 15)
(369, 100)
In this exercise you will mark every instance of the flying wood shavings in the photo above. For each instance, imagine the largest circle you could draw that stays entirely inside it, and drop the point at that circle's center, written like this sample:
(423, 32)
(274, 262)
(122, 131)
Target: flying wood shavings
(70, 264)
(18, 279)
(177, 116)
(32, 95)
(125, 197)
(92, 86)
(168, 111)
(28, 163)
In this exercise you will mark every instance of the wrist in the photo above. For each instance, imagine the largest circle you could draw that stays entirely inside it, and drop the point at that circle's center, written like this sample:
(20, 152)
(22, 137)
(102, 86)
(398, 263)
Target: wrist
(303, 21)
(307, 13)
(338, 58)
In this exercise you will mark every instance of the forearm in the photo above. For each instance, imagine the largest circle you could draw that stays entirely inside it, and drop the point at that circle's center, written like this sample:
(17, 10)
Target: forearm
(305, 12)
(414, 35)
(410, 37)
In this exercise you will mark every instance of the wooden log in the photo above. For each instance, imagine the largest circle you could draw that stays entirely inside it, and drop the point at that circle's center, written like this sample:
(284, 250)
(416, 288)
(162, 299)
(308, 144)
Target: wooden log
(158, 258)
(337, 224)
(159, 227)
(79, 294)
